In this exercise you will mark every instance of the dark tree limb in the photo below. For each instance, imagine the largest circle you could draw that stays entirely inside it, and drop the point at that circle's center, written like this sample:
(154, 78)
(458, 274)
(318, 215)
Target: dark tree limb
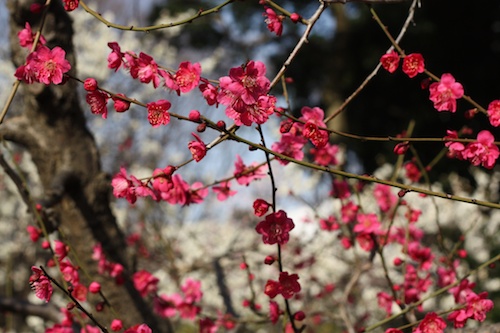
(53, 131)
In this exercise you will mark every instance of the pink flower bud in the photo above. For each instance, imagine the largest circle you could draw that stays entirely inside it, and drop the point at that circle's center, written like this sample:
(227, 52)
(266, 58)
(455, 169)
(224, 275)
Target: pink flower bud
(90, 84)
(295, 17)
(94, 287)
(194, 115)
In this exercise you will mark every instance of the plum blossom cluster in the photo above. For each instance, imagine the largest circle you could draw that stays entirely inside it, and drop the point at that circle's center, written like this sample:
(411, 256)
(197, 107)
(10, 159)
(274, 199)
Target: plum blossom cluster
(294, 136)
(413, 63)
(44, 65)
(245, 94)
(164, 185)
(42, 286)
(443, 94)
(482, 152)
(144, 68)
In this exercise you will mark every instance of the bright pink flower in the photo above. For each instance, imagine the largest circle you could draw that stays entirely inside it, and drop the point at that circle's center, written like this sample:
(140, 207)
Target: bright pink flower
(455, 149)
(197, 148)
(483, 152)
(48, 65)
(340, 189)
(349, 212)
(120, 104)
(192, 290)
(94, 287)
(421, 254)
(413, 64)
(295, 17)
(385, 198)
(188, 310)
(27, 37)
(70, 5)
(246, 174)
(185, 79)
(181, 193)
(69, 272)
(60, 249)
(145, 282)
(80, 292)
(431, 323)
(274, 311)
(123, 187)
(446, 276)
(115, 58)
(90, 84)
(385, 302)
(41, 284)
(166, 305)
(98, 101)
(401, 148)
(244, 92)
(260, 207)
(365, 241)
(478, 305)
(275, 228)
(461, 291)
(326, 155)
(158, 112)
(34, 232)
(142, 328)
(329, 224)
(445, 93)
(494, 112)
(412, 171)
(367, 223)
(313, 118)
(223, 191)
(393, 330)
(273, 21)
(289, 145)
(257, 113)
(209, 91)
(390, 61)
(146, 69)
(116, 325)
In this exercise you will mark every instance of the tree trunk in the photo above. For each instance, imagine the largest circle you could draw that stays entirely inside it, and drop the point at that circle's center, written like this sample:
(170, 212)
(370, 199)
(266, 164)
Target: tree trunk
(52, 128)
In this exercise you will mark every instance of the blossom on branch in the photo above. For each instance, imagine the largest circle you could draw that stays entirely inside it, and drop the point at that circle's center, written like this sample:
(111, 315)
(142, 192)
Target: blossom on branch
(445, 93)
(275, 228)
(274, 22)
(494, 113)
(390, 61)
(27, 37)
(245, 94)
(70, 5)
(185, 79)
(197, 148)
(413, 64)
(45, 66)
(41, 284)
(158, 112)
(287, 286)
(246, 174)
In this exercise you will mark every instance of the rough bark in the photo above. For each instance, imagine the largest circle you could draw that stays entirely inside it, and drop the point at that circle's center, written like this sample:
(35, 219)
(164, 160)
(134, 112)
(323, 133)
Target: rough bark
(52, 128)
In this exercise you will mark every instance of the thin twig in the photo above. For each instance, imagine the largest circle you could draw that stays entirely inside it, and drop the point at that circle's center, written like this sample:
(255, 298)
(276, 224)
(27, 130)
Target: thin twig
(314, 18)
(402, 32)
(190, 19)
